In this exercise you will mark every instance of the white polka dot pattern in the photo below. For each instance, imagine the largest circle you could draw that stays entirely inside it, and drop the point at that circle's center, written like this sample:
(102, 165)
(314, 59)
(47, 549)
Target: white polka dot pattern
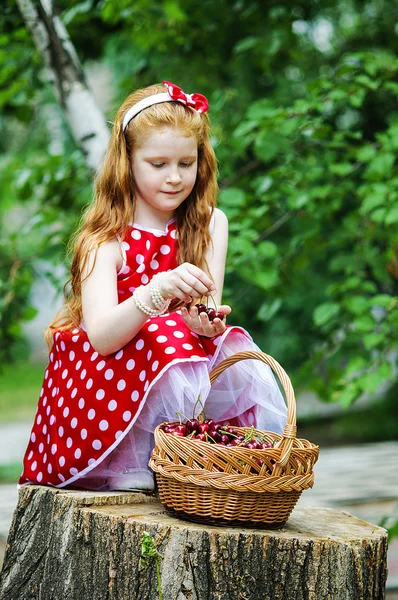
(87, 401)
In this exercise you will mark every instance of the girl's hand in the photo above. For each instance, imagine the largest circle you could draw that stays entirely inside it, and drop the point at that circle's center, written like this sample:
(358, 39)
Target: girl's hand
(200, 324)
(185, 282)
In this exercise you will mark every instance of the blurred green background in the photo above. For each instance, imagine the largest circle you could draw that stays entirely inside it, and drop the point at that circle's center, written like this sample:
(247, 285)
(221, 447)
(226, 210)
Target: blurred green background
(303, 104)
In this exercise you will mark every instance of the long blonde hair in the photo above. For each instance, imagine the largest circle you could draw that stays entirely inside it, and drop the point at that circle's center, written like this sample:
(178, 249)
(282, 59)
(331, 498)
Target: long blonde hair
(113, 203)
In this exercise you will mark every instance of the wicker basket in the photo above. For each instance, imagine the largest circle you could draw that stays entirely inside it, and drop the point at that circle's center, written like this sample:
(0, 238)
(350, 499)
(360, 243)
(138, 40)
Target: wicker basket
(218, 484)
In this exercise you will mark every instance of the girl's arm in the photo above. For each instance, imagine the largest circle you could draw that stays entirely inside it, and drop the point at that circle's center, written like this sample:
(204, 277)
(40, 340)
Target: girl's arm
(217, 252)
(216, 257)
(110, 325)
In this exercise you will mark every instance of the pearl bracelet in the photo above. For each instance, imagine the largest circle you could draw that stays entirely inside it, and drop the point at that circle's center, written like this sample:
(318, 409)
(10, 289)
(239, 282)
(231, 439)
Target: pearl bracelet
(151, 312)
(156, 296)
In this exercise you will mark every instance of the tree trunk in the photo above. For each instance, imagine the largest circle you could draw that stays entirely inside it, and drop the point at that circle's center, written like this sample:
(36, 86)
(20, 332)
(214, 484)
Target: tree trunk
(76, 545)
(66, 75)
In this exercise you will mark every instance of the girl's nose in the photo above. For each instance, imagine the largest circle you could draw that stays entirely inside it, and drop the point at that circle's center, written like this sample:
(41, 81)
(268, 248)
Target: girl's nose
(173, 176)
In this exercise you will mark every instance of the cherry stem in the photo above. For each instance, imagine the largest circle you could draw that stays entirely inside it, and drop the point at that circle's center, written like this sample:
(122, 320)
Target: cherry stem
(202, 405)
(215, 305)
(209, 436)
(228, 433)
(179, 414)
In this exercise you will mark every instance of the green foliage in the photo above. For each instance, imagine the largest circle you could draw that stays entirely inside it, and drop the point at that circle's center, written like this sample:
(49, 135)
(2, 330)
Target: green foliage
(10, 473)
(390, 522)
(20, 383)
(327, 195)
(148, 550)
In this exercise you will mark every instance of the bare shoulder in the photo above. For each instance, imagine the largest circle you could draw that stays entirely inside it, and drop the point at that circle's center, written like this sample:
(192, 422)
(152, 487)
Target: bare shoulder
(107, 254)
(220, 218)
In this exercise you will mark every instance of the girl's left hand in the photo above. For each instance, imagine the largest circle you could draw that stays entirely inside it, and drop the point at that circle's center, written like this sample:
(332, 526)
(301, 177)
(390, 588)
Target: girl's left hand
(200, 324)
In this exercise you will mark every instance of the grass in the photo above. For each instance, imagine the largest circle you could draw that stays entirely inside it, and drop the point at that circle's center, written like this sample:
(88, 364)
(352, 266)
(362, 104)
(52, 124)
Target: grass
(20, 386)
(10, 473)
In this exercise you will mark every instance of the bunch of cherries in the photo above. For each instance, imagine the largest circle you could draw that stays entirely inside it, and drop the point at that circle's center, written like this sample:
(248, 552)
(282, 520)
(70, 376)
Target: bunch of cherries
(217, 433)
(212, 313)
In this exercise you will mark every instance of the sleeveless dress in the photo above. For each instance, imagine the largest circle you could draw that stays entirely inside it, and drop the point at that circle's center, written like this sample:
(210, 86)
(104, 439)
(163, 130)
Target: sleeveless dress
(96, 414)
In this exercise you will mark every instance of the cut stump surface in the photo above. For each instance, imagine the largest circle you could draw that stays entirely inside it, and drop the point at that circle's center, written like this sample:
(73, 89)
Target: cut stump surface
(76, 545)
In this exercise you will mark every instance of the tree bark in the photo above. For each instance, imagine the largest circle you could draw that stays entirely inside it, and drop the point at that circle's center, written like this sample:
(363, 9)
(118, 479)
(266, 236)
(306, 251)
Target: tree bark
(76, 545)
(66, 75)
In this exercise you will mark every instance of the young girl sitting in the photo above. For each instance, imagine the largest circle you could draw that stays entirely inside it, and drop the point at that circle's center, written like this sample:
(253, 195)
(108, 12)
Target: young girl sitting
(129, 350)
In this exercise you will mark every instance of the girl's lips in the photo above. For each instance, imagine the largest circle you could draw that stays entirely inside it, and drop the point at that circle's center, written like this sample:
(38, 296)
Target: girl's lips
(171, 193)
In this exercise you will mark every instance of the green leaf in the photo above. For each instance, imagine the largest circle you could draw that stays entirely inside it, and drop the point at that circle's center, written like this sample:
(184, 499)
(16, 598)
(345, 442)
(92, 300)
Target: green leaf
(246, 44)
(268, 145)
(379, 215)
(341, 169)
(266, 279)
(374, 199)
(371, 340)
(268, 310)
(267, 249)
(356, 304)
(366, 153)
(369, 382)
(232, 197)
(29, 313)
(382, 300)
(347, 396)
(381, 166)
(356, 364)
(325, 312)
(173, 10)
(296, 202)
(392, 216)
(262, 109)
(363, 324)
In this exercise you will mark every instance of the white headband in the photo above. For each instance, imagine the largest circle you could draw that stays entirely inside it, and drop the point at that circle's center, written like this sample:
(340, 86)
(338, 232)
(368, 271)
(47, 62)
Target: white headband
(137, 108)
(174, 94)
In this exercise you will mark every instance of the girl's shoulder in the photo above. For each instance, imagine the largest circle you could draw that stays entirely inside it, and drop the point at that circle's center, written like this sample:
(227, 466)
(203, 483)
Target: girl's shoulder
(105, 254)
(218, 220)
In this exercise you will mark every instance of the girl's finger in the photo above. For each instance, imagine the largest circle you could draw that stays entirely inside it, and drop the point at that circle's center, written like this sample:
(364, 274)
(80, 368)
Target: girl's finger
(225, 309)
(196, 285)
(201, 275)
(195, 321)
(206, 324)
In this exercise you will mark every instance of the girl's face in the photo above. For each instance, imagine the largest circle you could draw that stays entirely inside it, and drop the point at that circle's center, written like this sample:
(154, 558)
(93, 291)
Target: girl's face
(165, 169)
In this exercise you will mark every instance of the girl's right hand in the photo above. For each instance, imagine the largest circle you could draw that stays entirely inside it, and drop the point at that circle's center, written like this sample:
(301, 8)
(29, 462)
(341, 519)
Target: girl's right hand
(185, 282)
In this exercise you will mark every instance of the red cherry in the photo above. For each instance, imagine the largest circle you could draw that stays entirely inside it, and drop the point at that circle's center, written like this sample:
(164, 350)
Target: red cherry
(201, 437)
(178, 433)
(203, 427)
(219, 315)
(211, 313)
(201, 308)
(193, 425)
(266, 445)
(182, 428)
(225, 439)
(208, 421)
(254, 445)
(215, 435)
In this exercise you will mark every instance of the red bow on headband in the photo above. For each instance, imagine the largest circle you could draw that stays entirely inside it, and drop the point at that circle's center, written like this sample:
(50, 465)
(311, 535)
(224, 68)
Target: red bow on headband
(196, 101)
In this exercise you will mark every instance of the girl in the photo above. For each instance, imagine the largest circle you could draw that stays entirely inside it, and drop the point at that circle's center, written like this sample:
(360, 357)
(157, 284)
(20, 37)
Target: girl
(129, 349)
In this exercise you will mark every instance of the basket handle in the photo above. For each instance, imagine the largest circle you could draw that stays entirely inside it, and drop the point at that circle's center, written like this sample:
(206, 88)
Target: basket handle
(290, 430)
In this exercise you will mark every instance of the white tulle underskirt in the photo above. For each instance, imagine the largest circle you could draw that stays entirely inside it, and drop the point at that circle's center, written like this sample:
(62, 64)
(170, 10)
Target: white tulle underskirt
(246, 391)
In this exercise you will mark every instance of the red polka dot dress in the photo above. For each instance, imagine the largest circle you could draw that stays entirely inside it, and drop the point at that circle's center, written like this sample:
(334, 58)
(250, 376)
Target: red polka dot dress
(89, 403)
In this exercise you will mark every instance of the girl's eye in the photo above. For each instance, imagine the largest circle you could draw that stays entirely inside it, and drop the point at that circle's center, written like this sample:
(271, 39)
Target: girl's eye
(186, 165)
(157, 165)
(160, 165)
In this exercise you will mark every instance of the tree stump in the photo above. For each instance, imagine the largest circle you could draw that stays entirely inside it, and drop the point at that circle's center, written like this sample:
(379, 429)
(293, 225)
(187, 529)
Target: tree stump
(77, 545)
